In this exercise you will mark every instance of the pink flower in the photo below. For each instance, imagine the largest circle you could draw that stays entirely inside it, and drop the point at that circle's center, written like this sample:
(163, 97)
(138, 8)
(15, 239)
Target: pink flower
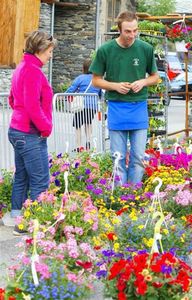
(72, 277)
(27, 203)
(184, 197)
(26, 260)
(79, 230)
(43, 269)
(72, 248)
(94, 164)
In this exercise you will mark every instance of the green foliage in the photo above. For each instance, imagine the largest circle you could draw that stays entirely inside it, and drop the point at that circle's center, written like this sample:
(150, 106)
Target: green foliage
(62, 87)
(149, 25)
(6, 188)
(156, 7)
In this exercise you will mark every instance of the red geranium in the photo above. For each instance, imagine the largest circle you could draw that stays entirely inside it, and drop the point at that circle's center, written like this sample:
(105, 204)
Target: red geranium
(84, 264)
(111, 236)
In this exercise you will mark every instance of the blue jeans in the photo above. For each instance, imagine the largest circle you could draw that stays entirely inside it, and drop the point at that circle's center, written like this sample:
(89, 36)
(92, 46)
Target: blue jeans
(31, 168)
(118, 142)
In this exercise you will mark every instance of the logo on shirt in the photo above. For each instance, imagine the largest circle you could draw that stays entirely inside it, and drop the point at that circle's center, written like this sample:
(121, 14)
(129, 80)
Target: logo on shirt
(136, 61)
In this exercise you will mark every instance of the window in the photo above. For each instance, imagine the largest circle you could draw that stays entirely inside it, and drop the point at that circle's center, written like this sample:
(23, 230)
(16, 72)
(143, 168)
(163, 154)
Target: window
(113, 9)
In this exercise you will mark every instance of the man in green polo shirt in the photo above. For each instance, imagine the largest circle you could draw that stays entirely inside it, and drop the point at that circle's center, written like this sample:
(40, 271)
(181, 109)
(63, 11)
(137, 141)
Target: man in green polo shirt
(125, 67)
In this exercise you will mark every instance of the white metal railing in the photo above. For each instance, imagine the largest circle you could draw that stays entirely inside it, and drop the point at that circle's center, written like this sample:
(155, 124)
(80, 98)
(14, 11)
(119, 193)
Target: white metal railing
(63, 130)
(78, 121)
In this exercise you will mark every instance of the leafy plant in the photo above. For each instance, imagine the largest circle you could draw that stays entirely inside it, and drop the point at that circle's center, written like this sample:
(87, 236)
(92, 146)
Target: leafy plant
(6, 182)
(156, 7)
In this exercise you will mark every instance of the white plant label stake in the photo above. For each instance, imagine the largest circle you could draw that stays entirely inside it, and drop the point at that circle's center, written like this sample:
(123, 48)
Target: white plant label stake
(115, 173)
(35, 256)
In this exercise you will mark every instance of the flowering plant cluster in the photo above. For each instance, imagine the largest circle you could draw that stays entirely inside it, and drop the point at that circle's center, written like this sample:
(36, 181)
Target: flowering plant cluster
(64, 256)
(86, 224)
(145, 276)
(85, 168)
(177, 199)
(179, 32)
(67, 211)
(168, 175)
(134, 233)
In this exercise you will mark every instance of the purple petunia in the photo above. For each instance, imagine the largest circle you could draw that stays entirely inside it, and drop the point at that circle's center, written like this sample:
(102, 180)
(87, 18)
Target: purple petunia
(98, 191)
(87, 171)
(101, 273)
(108, 253)
(102, 181)
(90, 187)
(166, 269)
(128, 197)
(55, 173)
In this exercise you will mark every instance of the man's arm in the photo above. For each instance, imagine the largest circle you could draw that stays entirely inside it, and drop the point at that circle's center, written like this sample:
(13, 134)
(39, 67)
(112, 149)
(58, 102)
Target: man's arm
(120, 87)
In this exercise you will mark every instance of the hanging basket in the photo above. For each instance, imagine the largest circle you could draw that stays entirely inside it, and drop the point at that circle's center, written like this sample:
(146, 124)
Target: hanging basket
(181, 46)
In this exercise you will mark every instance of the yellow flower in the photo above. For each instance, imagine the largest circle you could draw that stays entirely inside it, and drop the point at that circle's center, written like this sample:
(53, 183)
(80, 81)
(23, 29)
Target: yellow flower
(21, 226)
(141, 226)
(116, 247)
(165, 231)
(90, 221)
(96, 241)
(35, 203)
(27, 213)
(115, 221)
(148, 242)
(145, 272)
(183, 218)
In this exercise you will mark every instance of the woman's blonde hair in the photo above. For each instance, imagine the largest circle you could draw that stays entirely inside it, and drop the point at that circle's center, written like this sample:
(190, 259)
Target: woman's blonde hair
(39, 41)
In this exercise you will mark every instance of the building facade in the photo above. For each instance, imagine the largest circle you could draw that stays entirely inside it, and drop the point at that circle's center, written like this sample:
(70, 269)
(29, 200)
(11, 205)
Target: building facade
(79, 28)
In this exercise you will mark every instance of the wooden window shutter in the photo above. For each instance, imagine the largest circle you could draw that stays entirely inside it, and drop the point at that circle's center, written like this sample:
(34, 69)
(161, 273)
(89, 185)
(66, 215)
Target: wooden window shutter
(18, 18)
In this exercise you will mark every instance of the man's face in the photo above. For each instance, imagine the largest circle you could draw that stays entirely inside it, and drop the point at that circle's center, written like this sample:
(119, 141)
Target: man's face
(128, 32)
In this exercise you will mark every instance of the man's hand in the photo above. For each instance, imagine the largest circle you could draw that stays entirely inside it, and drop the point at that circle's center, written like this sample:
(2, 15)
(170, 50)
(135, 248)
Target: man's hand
(123, 87)
(136, 86)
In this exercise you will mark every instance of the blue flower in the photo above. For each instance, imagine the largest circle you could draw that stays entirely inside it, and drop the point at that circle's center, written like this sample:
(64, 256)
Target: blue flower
(57, 182)
(76, 165)
(55, 173)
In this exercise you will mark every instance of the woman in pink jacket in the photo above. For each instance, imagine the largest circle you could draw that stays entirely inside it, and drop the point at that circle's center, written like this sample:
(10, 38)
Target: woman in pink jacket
(31, 123)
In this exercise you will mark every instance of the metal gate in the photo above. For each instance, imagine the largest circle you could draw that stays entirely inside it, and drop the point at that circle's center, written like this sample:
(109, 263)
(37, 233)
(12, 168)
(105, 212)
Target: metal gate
(78, 122)
(69, 111)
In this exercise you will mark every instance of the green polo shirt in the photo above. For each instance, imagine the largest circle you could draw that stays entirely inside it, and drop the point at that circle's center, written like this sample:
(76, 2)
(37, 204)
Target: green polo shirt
(118, 64)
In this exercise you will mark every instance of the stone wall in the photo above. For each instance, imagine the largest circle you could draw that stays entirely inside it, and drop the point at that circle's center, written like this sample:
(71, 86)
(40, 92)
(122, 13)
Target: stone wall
(75, 32)
(5, 80)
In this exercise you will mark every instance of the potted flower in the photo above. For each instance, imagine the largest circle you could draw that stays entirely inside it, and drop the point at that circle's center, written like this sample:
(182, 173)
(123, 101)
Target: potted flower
(181, 35)
(148, 277)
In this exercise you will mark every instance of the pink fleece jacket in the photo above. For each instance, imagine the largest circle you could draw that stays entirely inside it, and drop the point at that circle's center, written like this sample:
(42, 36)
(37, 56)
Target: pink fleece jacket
(31, 98)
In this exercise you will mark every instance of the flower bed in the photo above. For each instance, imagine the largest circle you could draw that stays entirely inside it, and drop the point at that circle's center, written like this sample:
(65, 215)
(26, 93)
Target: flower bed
(82, 229)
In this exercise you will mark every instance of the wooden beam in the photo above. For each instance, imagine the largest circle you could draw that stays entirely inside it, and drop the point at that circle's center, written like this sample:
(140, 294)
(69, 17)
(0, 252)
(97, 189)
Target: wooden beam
(49, 1)
(67, 4)
(167, 19)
